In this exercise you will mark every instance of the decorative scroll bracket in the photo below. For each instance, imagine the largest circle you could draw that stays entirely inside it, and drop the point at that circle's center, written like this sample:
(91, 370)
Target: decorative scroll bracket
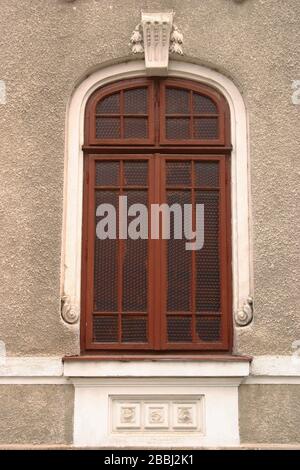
(244, 316)
(69, 311)
(156, 36)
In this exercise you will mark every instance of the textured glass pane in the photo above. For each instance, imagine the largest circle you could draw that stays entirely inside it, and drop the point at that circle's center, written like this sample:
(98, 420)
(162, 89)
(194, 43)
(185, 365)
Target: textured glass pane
(108, 128)
(134, 329)
(178, 262)
(179, 173)
(203, 105)
(105, 269)
(177, 101)
(136, 173)
(107, 173)
(207, 174)
(206, 128)
(179, 329)
(135, 263)
(105, 329)
(207, 259)
(177, 128)
(208, 329)
(110, 104)
(135, 101)
(135, 128)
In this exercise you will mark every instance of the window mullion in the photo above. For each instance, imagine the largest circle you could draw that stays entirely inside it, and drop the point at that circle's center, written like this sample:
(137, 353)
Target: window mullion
(122, 114)
(193, 266)
(162, 257)
(120, 260)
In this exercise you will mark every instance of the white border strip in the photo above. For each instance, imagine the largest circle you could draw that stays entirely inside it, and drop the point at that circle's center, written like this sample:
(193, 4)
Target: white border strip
(51, 370)
(285, 366)
(34, 381)
(252, 380)
(31, 367)
(271, 380)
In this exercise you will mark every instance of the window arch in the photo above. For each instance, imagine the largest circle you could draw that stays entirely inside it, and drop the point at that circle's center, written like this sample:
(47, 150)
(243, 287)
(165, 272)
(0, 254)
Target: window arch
(162, 111)
(157, 141)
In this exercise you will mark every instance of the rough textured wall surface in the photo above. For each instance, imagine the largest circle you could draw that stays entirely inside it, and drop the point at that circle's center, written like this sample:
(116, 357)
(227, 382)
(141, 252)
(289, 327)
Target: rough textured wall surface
(46, 48)
(269, 414)
(36, 414)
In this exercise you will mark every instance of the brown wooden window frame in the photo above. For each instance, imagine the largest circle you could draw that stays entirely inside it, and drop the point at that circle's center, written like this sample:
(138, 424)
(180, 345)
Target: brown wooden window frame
(157, 150)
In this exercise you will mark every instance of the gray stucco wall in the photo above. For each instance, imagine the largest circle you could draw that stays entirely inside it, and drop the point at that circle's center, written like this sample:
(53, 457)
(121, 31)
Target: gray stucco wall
(36, 414)
(46, 48)
(269, 414)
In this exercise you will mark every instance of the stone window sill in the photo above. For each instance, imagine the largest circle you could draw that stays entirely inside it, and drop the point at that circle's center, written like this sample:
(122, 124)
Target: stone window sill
(157, 366)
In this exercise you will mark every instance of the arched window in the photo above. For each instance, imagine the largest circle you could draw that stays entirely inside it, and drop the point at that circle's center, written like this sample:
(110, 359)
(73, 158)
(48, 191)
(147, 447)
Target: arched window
(156, 141)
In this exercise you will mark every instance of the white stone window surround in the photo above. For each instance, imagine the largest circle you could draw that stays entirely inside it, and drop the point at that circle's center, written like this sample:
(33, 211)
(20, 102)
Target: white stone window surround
(72, 225)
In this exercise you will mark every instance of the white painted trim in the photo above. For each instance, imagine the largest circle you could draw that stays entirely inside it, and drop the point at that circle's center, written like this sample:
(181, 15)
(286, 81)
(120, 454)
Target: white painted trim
(71, 268)
(284, 366)
(263, 369)
(34, 380)
(251, 380)
(156, 382)
(271, 380)
(31, 366)
(2, 92)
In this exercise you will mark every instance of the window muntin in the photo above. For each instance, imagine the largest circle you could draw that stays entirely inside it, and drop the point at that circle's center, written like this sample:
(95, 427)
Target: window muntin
(152, 294)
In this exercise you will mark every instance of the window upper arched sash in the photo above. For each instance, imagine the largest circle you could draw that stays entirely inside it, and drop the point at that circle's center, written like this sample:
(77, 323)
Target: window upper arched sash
(157, 112)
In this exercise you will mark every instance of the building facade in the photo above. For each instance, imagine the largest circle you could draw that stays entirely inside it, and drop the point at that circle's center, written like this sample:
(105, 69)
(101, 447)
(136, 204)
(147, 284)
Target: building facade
(89, 88)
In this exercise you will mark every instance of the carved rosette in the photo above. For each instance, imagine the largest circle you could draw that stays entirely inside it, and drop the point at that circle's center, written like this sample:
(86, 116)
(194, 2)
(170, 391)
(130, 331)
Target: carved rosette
(156, 416)
(69, 310)
(128, 415)
(155, 37)
(184, 415)
(244, 316)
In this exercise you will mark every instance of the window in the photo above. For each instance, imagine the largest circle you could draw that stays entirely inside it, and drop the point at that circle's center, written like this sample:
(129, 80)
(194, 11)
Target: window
(157, 141)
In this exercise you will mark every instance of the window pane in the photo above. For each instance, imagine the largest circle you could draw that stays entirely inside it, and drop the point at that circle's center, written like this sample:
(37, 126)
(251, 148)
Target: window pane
(207, 259)
(105, 263)
(206, 128)
(178, 128)
(135, 128)
(177, 101)
(135, 101)
(207, 174)
(108, 128)
(110, 104)
(136, 173)
(105, 329)
(134, 329)
(208, 329)
(107, 173)
(203, 105)
(179, 329)
(179, 173)
(135, 273)
(178, 262)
